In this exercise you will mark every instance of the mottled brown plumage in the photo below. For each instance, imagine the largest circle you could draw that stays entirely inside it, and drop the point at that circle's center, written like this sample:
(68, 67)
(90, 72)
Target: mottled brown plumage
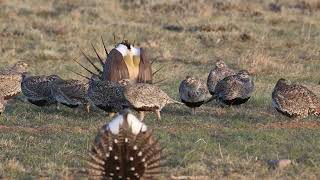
(71, 93)
(294, 100)
(193, 93)
(219, 72)
(37, 89)
(2, 104)
(107, 95)
(235, 89)
(10, 79)
(146, 97)
(125, 149)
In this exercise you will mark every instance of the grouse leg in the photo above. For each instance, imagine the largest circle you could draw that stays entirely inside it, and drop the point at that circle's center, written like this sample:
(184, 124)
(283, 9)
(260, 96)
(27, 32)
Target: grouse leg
(141, 115)
(87, 108)
(193, 111)
(158, 114)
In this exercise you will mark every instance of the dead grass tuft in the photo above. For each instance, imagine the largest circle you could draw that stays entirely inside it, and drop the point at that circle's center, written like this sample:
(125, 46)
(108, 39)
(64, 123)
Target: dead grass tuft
(51, 28)
(7, 144)
(11, 165)
(259, 63)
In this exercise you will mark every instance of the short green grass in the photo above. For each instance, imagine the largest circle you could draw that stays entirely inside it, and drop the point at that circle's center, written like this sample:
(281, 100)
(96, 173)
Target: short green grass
(186, 37)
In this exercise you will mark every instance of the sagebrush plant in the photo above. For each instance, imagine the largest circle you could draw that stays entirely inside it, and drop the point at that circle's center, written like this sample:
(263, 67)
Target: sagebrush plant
(187, 38)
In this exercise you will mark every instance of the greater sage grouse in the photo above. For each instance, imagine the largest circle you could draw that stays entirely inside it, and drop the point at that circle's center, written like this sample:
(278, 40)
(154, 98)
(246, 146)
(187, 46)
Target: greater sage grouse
(219, 72)
(10, 80)
(107, 95)
(147, 97)
(294, 100)
(125, 149)
(193, 93)
(234, 90)
(71, 93)
(37, 89)
(125, 61)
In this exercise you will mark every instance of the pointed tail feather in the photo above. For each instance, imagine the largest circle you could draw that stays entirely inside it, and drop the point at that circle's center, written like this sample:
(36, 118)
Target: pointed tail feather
(157, 70)
(160, 81)
(104, 45)
(84, 67)
(79, 74)
(90, 61)
(114, 38)
(155, 59)
(100, 59)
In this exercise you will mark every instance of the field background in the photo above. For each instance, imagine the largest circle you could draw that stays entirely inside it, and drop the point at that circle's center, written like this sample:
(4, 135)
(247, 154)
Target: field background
(187, 37)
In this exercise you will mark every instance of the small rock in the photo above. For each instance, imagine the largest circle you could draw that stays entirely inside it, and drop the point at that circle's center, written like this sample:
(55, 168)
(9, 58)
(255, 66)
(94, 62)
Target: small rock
(279, 164)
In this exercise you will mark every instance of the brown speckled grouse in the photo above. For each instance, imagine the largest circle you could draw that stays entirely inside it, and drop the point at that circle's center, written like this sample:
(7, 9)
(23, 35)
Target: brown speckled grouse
(220, 71)
(37, 89)
(193, 93)
(294, 100)
(10, 79)
(107, 95)
(147, 97)
(234, 90)
(71, 93)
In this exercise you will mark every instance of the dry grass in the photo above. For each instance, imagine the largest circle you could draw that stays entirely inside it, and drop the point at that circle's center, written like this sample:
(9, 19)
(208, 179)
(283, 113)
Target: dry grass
(270, 40)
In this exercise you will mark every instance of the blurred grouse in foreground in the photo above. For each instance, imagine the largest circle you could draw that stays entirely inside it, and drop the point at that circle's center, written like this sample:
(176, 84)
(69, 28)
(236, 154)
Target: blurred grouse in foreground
(220, 71)
(10, 80)
(125, 149)
(193, 93)
(294, 100)
(234, 90)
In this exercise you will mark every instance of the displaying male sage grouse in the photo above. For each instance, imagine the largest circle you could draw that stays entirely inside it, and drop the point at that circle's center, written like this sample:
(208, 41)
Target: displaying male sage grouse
(107, 95)
(125, 149)
(295, 101)
(146, 97)
(193, 93)
(37, 89)
(125, 61)
(234, 90)
(10, 79)
(219, 72)
(71, 93)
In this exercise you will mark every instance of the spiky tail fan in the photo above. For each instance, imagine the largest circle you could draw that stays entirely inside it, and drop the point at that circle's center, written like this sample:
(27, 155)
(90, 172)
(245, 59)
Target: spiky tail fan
(125, 155)
(147, 72)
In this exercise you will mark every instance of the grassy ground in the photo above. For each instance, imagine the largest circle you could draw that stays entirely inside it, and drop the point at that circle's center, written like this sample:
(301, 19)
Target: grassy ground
(187, 37)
